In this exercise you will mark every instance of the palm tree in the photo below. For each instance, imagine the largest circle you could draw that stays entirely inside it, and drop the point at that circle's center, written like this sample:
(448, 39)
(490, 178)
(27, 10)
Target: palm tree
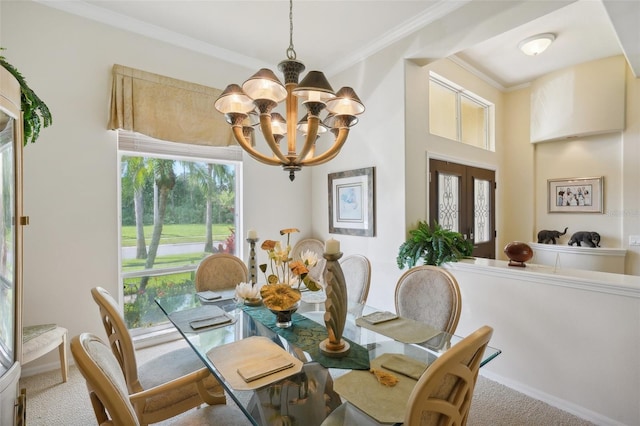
(165, 180)
(212, 180)
(135, 173)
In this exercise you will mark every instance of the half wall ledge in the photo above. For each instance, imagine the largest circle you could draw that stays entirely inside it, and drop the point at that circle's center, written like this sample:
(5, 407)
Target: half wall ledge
(601, 259)
(603, 282)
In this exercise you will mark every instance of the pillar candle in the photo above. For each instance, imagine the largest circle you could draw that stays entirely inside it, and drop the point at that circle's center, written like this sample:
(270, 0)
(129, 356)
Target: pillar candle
(252, 234)
(332, 246)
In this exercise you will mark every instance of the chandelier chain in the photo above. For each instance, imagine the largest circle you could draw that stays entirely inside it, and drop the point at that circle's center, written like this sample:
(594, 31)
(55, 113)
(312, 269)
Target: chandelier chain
(291, 53)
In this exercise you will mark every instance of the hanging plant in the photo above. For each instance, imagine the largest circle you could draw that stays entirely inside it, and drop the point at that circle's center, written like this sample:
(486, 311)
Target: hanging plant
(36, 113)
(434, 246)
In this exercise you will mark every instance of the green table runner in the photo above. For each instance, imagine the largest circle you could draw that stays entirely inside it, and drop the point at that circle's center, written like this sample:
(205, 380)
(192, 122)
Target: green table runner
(307, 334)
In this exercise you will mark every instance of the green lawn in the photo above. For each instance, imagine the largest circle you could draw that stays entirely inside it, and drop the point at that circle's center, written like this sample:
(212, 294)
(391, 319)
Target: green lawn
(167, 261)
(139, 308)
(173, 234)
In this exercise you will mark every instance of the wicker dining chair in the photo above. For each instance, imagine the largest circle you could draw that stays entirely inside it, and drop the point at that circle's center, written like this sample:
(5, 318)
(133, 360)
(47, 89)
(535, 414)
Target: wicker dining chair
(110, 397)
(357, 275)
(187, 383)
(220, 271)
(429, 294)
(442, 395)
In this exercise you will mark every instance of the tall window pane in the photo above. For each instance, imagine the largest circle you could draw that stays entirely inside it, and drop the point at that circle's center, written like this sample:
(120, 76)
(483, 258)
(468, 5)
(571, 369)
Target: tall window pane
(174, 212)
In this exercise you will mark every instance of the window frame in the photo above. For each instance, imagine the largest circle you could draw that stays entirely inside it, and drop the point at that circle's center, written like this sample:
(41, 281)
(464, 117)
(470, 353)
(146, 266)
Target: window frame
(459, 93)
(135, 144)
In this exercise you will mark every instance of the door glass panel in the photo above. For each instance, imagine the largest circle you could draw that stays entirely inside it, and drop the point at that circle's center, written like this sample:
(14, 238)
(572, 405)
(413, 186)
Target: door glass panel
(7, 243)
(481, 211)
(449, 201)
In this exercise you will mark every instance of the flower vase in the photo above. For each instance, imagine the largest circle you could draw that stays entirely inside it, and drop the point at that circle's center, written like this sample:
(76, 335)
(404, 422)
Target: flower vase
(284, 316)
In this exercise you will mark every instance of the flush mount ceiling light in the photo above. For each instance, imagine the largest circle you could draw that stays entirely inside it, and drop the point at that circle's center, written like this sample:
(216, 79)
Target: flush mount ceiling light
(263, 91)
(536, 44)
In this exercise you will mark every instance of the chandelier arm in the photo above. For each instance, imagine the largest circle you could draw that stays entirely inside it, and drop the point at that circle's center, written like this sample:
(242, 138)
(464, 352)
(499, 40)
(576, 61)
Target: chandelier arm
(329, 154)
(265, 126)
(312, 135)
(254, 153)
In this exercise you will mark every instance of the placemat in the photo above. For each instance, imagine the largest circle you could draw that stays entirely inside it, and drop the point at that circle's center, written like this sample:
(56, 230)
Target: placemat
(306, 334)
(385, 404)
(183, 319)
(252, 351)
(404, 330)
(405, 365)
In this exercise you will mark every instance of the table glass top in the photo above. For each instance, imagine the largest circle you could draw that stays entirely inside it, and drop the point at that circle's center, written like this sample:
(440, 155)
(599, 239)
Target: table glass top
(314, 396)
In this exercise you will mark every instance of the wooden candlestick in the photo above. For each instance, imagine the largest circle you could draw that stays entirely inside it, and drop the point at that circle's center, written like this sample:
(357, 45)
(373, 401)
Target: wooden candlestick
(252, 260)
(335, 314)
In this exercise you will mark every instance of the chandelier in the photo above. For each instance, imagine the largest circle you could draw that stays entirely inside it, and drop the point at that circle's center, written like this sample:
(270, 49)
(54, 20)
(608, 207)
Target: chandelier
(263, 92)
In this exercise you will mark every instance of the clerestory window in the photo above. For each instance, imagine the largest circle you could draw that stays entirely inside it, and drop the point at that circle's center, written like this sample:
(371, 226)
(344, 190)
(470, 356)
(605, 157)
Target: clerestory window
(457, 114)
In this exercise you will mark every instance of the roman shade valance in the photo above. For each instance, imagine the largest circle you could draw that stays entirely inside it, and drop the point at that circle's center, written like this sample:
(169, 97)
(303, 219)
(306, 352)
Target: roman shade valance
(167, 109)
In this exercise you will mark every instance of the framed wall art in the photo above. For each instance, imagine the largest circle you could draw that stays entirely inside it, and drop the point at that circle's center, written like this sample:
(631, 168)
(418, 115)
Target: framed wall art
(351, 202)
(576, 195)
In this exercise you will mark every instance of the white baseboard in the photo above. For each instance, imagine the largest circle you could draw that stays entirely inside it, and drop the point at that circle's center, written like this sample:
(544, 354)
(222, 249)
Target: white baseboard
(554, 401)
(28, 371)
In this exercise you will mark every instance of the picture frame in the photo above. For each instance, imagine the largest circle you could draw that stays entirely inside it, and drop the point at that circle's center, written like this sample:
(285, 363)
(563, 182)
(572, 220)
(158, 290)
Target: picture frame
(351, 202)
(576, 195)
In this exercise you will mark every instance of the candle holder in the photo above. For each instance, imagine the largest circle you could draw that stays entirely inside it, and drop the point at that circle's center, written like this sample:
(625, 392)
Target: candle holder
(252, 260)
(335, 314)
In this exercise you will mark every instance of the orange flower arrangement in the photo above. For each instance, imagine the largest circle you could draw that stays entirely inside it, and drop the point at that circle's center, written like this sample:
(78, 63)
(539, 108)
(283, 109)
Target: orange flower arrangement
(286, 273)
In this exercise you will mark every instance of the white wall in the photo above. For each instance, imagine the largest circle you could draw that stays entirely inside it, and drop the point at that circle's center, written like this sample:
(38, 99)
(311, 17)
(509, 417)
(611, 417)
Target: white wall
(71, 172)
(516, 201)
(630, 213)
(569, 338)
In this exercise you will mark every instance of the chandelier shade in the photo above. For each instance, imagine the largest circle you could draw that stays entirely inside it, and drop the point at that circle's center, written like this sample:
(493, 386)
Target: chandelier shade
(263, 92)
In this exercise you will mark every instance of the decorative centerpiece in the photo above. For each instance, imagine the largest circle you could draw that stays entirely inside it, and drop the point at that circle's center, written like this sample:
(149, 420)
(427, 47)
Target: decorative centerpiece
(335, 314)
(281, 293)
(248, 293)
(518, 253)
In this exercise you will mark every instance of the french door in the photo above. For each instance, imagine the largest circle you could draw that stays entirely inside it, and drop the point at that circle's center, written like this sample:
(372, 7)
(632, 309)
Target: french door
(462, 199)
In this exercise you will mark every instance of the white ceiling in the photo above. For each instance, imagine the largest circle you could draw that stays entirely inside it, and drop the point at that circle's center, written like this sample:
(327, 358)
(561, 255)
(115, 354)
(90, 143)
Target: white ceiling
(331, 35)
(583, 33)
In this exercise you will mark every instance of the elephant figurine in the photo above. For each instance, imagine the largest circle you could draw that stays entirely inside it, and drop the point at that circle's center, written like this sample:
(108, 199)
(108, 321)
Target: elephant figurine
(545, 236)
(590, 239)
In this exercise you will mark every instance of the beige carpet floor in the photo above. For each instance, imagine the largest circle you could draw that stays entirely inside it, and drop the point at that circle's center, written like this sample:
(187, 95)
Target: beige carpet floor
(51, 402)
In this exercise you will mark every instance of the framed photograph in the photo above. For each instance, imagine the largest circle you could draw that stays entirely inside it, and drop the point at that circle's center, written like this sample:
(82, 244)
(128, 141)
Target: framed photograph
(351, 202)
(576, 195)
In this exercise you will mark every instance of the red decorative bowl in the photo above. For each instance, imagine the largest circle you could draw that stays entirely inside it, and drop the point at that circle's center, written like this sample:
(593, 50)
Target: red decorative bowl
(518, 253)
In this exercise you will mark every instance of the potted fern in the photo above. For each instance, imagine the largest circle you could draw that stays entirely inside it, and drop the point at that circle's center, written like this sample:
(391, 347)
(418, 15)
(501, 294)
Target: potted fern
(35, 112)
(434, 246)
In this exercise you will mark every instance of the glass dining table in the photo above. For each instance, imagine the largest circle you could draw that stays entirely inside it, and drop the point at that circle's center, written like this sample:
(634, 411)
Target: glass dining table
(307, 395)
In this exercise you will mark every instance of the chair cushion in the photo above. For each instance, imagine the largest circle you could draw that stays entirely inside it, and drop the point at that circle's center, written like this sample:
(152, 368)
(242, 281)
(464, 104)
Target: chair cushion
(170, 366)
(41, 342)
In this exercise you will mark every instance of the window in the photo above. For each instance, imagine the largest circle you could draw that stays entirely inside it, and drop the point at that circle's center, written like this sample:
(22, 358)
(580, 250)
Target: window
(457, 114)
(178, 204)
